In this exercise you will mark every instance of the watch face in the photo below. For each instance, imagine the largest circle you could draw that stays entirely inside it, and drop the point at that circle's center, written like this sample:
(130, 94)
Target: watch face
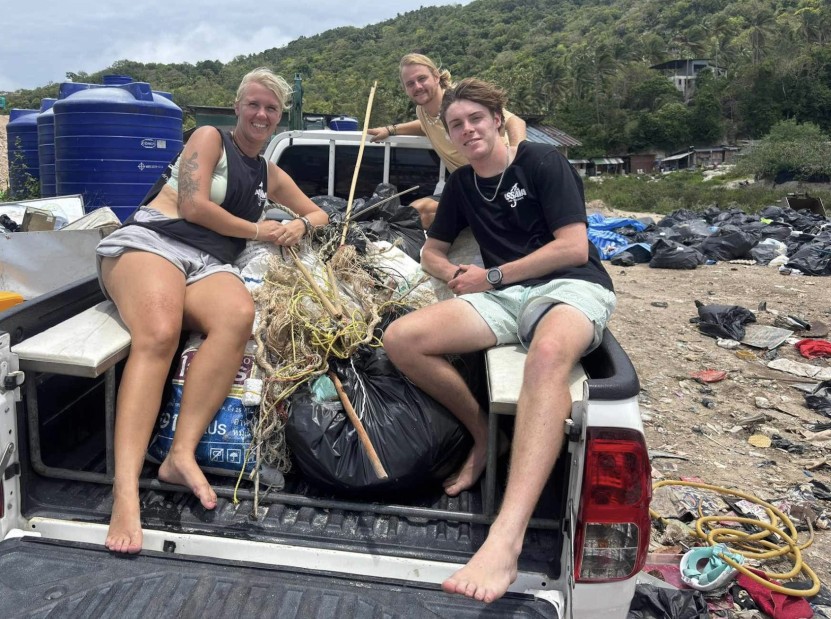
(494, 276)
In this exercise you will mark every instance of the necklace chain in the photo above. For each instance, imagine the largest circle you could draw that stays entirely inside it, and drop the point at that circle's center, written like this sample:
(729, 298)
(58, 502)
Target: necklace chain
(501, 176)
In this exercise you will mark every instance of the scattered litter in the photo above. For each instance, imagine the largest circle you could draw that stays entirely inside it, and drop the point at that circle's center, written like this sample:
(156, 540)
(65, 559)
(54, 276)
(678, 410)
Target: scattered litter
(814, 348)
(761, 336)
(725, 321)
(666, 454)
(728, 344)
(660, 304)
(760, 440)
(708, 403)
(704, 568)
(762, 403)
(709, 376)
(747, 355)
(800, 369)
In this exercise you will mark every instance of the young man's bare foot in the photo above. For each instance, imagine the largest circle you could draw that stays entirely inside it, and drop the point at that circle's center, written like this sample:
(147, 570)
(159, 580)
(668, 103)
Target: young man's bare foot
(124, 534)
(183, 471)
(488, 574)
(470, 471)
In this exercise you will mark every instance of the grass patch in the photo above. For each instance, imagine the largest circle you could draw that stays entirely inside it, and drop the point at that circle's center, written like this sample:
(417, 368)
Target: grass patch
(669, 192)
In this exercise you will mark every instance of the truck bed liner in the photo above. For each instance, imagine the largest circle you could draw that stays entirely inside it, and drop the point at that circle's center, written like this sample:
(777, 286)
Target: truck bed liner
(41, 578)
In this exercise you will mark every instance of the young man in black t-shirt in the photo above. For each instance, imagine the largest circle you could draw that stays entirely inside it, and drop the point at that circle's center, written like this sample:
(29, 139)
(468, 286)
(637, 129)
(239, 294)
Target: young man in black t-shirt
(542, 285)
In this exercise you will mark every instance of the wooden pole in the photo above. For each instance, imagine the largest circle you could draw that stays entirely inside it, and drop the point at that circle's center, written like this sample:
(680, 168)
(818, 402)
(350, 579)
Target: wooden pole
(358, 163)
(327, 304)
(362, 435)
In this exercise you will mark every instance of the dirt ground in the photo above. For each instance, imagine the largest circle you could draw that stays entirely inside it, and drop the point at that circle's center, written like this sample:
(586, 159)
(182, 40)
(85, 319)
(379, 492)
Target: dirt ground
(701, 421)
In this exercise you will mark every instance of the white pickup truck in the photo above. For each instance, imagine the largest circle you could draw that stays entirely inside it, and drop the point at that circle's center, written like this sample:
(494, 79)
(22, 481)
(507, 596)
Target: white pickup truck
(307, 553)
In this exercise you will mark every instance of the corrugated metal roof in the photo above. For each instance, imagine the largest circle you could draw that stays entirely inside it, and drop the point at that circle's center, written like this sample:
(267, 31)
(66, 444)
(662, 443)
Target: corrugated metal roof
(545, 134)
(607, 161)
(678, 156)
(578, 161)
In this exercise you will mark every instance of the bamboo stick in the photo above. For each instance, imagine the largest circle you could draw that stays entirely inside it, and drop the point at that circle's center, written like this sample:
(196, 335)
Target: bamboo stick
(358, 163)
(359, 427)
(327, 304)
(333, 284)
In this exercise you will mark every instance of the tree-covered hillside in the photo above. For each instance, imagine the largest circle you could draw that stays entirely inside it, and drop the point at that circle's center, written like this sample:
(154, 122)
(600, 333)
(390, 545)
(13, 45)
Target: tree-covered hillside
(583, 65)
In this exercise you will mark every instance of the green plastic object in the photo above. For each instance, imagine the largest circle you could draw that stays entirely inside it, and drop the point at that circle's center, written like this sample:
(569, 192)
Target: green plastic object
(323, 389)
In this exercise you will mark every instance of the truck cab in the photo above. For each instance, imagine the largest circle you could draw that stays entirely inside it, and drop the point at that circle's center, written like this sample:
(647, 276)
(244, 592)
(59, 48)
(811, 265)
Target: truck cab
(307, 551)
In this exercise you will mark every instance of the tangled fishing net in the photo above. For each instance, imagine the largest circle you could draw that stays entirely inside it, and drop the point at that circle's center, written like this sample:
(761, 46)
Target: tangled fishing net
(318, 301)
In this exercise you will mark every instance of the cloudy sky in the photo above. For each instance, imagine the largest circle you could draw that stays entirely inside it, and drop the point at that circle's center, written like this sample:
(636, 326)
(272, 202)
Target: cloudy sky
(47, 38)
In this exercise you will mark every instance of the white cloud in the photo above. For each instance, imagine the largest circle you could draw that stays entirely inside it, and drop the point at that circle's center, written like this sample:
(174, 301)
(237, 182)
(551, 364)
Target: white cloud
(84, 36)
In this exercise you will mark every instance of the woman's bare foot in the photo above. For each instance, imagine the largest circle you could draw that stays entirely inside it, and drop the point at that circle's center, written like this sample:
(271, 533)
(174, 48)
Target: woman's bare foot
(124, 534)
(183, 471)
(489, 573)
(470, 471)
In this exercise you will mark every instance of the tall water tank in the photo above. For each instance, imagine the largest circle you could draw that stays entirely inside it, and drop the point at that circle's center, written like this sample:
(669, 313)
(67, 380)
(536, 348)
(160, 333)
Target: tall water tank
(46, 147)
(46, 138)
(22, 135)
(112, 143)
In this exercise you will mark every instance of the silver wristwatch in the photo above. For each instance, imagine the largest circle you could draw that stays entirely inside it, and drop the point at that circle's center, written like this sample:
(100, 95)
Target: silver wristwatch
(494, 276)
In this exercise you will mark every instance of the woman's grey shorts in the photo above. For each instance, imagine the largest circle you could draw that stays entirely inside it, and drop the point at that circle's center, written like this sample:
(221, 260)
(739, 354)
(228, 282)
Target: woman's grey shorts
(193, 263)
(513, 313)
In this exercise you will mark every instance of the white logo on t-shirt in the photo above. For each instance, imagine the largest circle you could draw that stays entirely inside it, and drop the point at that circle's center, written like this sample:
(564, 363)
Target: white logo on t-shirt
(515, 194)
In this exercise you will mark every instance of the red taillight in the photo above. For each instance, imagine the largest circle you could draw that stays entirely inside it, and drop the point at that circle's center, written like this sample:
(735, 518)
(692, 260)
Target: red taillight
(613, 524)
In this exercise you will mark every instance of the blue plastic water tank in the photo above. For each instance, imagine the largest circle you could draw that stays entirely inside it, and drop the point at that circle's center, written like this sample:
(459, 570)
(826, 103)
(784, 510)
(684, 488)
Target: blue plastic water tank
(22, 134)
(344, 123)
(46, 148)
(46, 138)
(112, 143)
(117, 80)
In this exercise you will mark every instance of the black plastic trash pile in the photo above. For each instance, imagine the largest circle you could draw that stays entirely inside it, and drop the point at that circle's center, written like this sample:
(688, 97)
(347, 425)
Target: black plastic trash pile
(390, 221)
(685, 239)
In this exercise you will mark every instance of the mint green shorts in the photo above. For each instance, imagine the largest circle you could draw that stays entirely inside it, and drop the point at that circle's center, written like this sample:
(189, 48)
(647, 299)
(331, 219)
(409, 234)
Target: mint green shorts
(513, 313)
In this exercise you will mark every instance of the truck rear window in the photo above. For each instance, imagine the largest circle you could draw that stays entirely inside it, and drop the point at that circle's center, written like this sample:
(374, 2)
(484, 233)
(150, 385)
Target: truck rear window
(308, 165)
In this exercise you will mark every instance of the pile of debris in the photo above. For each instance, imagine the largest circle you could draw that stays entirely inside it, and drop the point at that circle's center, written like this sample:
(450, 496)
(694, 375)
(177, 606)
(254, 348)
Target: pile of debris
(796, 241)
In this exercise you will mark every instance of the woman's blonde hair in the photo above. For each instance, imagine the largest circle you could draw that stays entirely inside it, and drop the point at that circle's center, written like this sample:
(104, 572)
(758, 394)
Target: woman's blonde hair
(268, 79)
(421, 59)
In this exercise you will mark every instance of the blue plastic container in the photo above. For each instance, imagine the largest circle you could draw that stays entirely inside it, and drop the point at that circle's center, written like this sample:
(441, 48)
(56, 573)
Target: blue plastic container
(22, 134)
(117, 80)
(46, 148)
(113, 142)
(344, 123)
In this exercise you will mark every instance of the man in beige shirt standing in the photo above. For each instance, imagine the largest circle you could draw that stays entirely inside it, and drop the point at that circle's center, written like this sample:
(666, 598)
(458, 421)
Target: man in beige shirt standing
(425, 84)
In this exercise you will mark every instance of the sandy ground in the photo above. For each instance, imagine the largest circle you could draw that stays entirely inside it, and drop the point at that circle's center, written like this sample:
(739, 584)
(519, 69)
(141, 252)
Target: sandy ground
(4, 157)
(704, 422)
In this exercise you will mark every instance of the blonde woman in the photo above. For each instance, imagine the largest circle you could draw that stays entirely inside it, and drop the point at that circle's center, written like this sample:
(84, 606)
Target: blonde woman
(171, 267)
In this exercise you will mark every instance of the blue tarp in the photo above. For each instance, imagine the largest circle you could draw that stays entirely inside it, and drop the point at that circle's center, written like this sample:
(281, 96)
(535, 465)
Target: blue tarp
(601, 233)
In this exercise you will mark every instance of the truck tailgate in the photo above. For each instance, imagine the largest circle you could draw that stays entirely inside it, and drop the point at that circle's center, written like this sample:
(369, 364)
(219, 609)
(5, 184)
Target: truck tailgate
(40, 578)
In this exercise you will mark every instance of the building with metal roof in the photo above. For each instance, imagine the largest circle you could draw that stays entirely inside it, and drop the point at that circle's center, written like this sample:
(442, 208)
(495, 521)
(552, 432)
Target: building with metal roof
(546, 134)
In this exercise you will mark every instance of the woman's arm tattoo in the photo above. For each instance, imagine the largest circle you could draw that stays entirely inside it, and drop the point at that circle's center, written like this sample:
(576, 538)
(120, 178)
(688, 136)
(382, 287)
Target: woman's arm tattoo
(187, 182)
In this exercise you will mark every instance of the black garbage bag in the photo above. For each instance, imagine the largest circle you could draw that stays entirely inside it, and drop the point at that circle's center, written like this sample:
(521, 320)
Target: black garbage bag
(654, 602)
(778, 231)
(416, 438)
(723, 321)
(692, 232)
(678, 216)
(812, 258)
(727, 243)
(668, 254)
(391, 221)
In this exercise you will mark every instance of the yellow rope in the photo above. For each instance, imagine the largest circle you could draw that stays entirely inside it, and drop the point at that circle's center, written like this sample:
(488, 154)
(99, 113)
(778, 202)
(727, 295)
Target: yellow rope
(747, 541)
